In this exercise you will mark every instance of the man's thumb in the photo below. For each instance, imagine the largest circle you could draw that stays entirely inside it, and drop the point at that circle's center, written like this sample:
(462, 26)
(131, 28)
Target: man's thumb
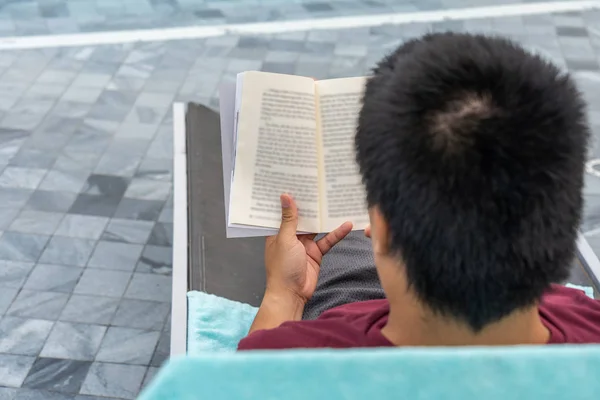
(289, 215)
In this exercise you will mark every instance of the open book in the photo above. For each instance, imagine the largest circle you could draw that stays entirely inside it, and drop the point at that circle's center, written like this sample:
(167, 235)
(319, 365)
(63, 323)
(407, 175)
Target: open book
(290, 134)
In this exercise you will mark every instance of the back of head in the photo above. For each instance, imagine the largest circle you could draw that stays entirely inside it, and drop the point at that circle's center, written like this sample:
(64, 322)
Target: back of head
(473, 151)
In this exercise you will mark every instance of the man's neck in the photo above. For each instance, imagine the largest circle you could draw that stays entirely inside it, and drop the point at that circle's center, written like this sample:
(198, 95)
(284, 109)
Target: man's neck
(410, 325)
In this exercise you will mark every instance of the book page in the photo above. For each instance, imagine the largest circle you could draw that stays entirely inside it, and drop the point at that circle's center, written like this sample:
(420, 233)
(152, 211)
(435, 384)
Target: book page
(227, 111)
(339, 102)
(276, 151)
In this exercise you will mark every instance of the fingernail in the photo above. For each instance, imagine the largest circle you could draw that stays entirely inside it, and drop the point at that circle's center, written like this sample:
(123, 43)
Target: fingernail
(285, 202)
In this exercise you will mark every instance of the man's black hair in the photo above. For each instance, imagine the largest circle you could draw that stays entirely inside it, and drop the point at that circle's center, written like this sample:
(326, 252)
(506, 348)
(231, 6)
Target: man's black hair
(473, 150)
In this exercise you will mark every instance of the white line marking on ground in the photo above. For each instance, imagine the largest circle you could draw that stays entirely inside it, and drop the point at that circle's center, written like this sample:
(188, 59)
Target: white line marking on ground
(199, 32)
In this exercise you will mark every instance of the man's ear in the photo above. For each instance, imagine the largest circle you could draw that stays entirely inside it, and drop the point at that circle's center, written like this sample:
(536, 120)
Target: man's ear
(380, 234)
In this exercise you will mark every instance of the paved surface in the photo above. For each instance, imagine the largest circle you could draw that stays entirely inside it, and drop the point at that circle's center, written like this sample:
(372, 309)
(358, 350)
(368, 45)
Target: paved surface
(39, 17)
(85, 174)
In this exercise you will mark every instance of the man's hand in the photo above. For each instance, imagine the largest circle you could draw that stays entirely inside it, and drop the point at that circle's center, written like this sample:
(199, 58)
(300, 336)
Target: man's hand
(293, 261)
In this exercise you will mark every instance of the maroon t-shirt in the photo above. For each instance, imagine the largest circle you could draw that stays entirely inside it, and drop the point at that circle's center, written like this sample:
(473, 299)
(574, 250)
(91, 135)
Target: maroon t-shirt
(569, 315)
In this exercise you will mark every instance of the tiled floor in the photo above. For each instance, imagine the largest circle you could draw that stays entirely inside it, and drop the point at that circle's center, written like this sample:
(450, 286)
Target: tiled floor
(40, 17)
(85, 167)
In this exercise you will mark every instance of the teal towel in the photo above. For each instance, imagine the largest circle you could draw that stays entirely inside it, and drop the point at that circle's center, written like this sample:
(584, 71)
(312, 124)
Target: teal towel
(215, 323)
(589, 291)
(467, 373)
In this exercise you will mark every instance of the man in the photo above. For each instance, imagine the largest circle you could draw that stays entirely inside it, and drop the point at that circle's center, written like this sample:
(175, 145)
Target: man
(472, 154)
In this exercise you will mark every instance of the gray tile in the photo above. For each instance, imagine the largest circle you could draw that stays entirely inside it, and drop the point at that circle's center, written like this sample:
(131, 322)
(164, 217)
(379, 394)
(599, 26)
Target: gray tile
(127, 83)
(576, 31)
(103, 68)
(45, 91)
(162, 234)
(11, 140)
(91, 80)
(157, 84)
(13, 274)
(128, 231)
(75, 159)
(21, 177)
(145, 189)
(71, 109)
(22, 120)
(42, 200)
(127, 146)
(40, 222)
(35, 394)
(156, 260)
(64, 181)
(55, 133)
(117, 256)
(97, 128)
(34, 158)
(53, 278)
(128, 346)
(279, 67)
(157, 169)
(162, 145)
(582, 65)
(14, 369)
(6, 297)
(209, 13)
(7, 216)
(112, 105)
(57, 375)
(317, 7)
(166, 215)
(568, 19)
(287, 45)
(36, 304)
(253, 42)
(113, 380)
(161, 354)
(90, 309)
(150, 374)
(118, 164)
(85, 397)
(135, 71)
(103, 283)
(141, 314)
(67, 251)
(149, 287)
(82, 226)
(82, 94)
(23, 336)
(106, 185)
(8, 393)
(141, 117)
(281, 56)
(147, 210)
(89, 204)
(17, 246)
(56, 76)
(54, 10)
(14, 198)
(73, 341)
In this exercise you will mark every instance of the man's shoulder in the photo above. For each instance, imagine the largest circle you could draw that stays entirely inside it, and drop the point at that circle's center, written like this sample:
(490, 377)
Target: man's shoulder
(571, 315)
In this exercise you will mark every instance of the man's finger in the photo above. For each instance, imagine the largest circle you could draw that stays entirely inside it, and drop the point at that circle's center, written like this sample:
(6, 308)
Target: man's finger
(307, 237)
(368, 231)
(289, 216)
(333, 237)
